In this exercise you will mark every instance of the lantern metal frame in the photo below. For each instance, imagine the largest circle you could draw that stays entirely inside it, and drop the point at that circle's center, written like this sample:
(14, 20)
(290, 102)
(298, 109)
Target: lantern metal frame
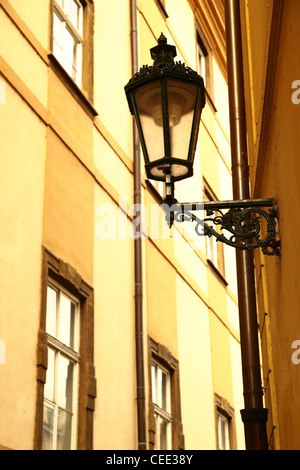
(247, 224)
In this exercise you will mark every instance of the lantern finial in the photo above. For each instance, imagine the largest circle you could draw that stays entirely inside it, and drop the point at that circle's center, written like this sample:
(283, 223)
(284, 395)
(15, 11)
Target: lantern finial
(163, 53)
(162, 39)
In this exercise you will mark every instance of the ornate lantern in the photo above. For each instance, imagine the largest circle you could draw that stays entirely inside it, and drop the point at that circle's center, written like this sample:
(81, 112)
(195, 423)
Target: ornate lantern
(167, 99)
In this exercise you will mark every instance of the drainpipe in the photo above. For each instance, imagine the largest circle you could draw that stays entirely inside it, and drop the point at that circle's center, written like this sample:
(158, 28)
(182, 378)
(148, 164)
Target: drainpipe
(138, 272)
(254, 415)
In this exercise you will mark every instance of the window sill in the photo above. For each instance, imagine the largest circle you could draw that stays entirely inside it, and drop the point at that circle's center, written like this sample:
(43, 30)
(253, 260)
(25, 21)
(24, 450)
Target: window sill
(75, 91)
(218, 274)
(162, 8)
(210, 101)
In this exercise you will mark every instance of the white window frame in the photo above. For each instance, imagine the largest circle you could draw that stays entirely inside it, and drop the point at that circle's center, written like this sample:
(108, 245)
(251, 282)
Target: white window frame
(63, 350)
(162, 415)
(76, 31)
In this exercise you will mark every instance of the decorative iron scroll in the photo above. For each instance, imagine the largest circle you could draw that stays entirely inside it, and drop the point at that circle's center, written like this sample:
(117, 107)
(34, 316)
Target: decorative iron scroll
(245, 225)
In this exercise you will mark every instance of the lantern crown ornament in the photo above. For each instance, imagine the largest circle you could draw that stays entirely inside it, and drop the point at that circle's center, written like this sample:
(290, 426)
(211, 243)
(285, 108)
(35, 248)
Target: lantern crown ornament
(166, 100)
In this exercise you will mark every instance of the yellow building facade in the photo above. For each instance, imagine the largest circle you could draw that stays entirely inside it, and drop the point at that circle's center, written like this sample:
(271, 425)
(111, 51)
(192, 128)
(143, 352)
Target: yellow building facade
(69, 323)
(271, 75)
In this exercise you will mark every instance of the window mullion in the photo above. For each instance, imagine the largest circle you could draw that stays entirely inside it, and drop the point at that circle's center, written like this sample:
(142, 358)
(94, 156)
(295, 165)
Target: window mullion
(164, 414)
(60, 12)
(77, 36)
(65, 350)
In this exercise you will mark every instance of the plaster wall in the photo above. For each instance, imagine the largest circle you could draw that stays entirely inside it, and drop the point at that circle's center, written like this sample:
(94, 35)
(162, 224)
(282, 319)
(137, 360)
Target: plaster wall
(277, 175)
(21, 191)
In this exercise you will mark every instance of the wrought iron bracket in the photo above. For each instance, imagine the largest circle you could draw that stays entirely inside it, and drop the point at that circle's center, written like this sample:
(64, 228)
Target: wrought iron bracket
(243, 224)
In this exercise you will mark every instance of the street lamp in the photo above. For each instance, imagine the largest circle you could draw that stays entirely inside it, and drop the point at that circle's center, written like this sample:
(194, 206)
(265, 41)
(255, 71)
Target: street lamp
(166, 100)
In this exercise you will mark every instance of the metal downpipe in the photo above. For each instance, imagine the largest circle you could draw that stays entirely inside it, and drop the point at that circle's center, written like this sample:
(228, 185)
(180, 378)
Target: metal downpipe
(254, 415)
(138, 272)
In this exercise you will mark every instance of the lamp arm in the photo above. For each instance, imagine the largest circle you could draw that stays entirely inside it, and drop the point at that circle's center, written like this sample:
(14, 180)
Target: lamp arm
(245, 225)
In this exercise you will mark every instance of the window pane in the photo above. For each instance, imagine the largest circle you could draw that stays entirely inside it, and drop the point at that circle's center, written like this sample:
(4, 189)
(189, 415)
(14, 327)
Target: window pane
(153, 372)
(149, 104)
(64, 430)
(69, 46)
(223, 433)
(48, 424)
(163, 435)
(77, 68)
(57, 28)
(65, 383)
(73, 13)
(181, 111)
(49, 385)
(212, 247)
(66, 42)
(202, 64)
(66, 321)
(162, 389)
(51, 311)
(159, 397)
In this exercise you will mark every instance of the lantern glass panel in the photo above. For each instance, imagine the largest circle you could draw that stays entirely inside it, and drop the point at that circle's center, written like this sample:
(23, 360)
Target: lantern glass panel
(181, 103)
(149, 104)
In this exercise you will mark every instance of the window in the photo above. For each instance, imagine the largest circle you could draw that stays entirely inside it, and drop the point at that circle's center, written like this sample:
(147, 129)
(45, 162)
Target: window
(72, 46)
(225, 424)
(214, 249)
(66, 384)
(161, 399)
(223, 432)
(202, 60)
(62, 379)
(165, 428)
(204, 67)
(68, 36)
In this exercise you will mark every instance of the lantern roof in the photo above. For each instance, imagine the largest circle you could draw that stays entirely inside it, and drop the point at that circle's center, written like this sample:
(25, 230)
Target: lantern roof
(164, 65)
